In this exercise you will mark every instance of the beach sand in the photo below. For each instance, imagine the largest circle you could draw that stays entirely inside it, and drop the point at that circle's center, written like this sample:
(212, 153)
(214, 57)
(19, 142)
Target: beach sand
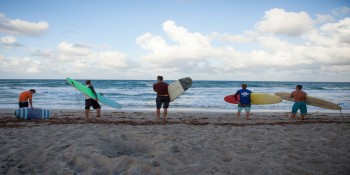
(127, 142)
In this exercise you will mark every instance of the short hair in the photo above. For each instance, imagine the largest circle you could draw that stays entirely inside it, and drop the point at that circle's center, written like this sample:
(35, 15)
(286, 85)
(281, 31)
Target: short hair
(33, 90)
(88, 82)
(244, 86)
(160, 78)
(299, 86)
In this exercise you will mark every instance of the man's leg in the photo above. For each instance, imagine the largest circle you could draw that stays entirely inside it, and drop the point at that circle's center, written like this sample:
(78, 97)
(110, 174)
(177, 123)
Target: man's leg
(295, 109)
(303, 111)
(247, 115)
(87, 107)
(239, 110)
(292, 115)
(87, 113)
(158, 114)
(166, 101)
(238, 114)
(165, 112)
(98, 112)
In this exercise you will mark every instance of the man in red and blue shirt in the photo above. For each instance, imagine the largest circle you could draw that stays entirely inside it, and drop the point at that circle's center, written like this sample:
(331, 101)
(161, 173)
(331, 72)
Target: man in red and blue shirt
(244, 102)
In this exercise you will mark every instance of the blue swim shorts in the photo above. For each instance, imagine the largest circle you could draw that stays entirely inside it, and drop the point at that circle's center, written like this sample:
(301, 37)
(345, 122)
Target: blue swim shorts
(301, 106)
(247, 109)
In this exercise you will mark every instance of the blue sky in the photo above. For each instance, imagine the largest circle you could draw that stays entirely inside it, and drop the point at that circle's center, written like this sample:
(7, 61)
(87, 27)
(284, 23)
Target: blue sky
(289, 40)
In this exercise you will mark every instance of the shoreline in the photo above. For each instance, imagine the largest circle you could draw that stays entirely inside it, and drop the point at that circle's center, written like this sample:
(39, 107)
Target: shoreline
(112, 117)
(233, 110)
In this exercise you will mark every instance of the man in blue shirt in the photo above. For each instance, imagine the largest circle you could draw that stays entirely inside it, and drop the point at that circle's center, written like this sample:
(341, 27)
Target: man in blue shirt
(244, 101)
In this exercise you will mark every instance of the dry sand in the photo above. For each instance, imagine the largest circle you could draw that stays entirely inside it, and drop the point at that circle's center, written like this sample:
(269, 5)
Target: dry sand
(188, 143)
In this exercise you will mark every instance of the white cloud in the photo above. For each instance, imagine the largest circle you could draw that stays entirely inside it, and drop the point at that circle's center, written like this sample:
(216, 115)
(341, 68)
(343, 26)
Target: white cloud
(278, 21)
(186, 50)
(324, 18)
(9, 41)
(339, 31)
(112, 59)
(245, 38)
(73, 49)
(15, 65)
(68, 60)
(268, 56)
(341, 11)
(21, 27)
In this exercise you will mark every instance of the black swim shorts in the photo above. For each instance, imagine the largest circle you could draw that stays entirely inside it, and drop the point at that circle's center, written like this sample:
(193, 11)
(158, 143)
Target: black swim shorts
(165, 100)
(91, 102)
(23, 104)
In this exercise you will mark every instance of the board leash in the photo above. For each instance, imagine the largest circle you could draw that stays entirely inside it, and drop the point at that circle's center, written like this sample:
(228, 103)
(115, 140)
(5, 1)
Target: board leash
(341, 113)
(76, 95)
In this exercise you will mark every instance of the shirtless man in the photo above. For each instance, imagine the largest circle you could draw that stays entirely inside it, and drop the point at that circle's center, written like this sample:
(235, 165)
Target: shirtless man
(299, 102)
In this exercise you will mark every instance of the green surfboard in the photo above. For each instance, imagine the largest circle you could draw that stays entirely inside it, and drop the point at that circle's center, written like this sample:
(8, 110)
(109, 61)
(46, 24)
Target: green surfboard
(87, 91)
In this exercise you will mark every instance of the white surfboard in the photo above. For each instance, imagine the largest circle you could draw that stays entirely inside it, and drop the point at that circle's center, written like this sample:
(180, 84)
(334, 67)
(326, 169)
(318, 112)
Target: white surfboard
(178, 87)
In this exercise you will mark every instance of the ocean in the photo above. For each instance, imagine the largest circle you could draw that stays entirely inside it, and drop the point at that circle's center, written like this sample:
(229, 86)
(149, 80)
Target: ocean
(139, 95)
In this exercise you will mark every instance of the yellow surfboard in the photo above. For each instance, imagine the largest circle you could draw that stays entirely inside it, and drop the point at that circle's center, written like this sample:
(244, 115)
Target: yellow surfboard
(311, 101)
(264, 99)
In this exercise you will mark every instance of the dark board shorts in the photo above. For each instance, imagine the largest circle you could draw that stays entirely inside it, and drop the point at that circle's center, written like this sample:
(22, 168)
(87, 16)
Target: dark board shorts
(91, 102)
(165, 100)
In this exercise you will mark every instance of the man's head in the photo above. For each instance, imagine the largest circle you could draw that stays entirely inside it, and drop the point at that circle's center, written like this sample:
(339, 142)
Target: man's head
(32, 91)
(160, 78)
(244, 86)
(88, 82)
(299, 86)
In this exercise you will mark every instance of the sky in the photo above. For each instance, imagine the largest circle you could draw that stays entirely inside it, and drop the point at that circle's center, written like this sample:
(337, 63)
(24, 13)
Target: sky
(254, 40)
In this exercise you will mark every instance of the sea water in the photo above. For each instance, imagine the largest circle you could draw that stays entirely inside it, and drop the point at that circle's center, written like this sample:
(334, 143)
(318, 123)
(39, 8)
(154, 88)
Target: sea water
(139, 94)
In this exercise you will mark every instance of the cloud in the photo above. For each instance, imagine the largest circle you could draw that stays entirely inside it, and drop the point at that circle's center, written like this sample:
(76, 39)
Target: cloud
(13, 65)
(9, 41)
(70, 59)
(247, 37)
(73, 49)
(339, 31)
(278, 21)
(341, 11)
(44, 53)
(186, 50)
(261, 54)
(112, 59)
(21, 27)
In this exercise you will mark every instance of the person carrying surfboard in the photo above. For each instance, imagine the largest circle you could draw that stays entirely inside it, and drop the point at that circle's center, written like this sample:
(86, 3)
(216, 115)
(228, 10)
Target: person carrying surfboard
(90, 102)
(162, 97)
(24, 97)
(299, 102)
(244, 102)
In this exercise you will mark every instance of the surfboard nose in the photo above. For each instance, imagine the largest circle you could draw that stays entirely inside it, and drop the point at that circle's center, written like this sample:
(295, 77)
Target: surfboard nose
(186, 82)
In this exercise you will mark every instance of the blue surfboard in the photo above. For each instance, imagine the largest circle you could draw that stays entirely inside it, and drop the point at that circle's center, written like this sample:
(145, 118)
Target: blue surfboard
(32, 113)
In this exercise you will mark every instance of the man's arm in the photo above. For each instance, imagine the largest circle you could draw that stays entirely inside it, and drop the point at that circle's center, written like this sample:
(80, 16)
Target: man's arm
(291, 95)
(31, 103)
(236, 94)
(94, 92)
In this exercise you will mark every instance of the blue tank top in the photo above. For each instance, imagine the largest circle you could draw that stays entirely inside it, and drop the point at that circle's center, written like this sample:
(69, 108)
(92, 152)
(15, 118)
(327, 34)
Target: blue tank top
(244, 96)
